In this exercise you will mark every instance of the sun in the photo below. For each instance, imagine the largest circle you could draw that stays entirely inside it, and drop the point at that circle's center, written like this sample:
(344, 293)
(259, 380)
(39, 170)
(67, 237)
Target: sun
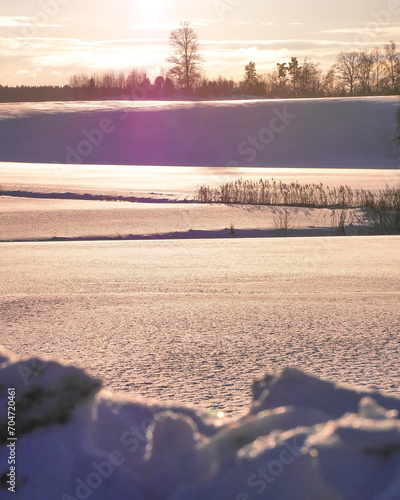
(152, 10)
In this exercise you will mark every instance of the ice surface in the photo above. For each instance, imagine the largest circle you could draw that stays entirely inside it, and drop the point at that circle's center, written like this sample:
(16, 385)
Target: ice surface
(110, 446)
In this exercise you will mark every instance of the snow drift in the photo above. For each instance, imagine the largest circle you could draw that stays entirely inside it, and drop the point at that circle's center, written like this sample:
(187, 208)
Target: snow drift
(302, 438)
(336, 133)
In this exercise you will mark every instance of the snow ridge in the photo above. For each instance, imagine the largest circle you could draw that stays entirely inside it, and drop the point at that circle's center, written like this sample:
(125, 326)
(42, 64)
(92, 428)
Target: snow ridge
(303, 438)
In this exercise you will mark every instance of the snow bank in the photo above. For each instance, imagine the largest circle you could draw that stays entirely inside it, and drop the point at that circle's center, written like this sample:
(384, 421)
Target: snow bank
(336, 133)
(303, 438)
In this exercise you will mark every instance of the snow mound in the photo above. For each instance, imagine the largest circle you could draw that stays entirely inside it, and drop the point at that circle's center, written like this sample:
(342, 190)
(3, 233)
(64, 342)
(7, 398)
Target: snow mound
(303, 438)
(318, 133)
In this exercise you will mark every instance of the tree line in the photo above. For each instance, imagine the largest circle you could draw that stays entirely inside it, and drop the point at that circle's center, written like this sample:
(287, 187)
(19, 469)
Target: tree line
(357, 72)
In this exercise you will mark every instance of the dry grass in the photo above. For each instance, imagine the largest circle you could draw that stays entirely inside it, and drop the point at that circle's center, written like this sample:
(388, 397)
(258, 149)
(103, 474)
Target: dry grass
(380, 209)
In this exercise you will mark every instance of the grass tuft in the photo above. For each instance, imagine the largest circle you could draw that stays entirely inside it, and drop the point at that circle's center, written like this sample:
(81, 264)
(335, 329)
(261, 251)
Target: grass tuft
(380, 211)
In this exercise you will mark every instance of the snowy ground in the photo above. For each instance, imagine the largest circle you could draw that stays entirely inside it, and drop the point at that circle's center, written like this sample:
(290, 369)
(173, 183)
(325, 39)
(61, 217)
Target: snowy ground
(42, 220)
(302, 438)
(145, 315)
(160, 211)
(197, 320)
(336, 133)
(194, 319)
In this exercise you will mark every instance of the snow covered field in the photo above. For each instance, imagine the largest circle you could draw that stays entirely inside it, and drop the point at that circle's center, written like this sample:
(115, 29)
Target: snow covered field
(237, 301)
(336, 133)
(197, 320)
(192, 313)
(159, 210)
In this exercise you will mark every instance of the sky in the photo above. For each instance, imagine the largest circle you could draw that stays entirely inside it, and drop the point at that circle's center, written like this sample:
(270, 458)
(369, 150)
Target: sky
(46, 41)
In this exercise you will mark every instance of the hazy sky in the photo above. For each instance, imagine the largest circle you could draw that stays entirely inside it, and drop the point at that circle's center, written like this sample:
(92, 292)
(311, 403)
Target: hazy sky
(45, 41)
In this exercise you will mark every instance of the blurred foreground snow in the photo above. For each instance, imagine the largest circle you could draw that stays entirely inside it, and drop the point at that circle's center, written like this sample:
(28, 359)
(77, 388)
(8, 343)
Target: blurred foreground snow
(303, 438)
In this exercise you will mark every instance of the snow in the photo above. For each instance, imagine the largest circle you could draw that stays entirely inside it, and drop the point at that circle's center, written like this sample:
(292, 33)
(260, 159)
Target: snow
(328, 441)
(40, 220)
(73, 210)
(188, 322)
(335, 133)
(180, 182)
(197, 320)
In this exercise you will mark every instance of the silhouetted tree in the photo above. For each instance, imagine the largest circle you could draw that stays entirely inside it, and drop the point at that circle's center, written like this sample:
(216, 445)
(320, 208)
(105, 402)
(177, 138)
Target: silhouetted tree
(294, 70)
(186, 58)
(91, 89)
(251, 73)
(252, 85)
(159, 82)
(329, 82)
(309, 79)
(365, 71)
(347, 66)
(282, 77)
(377, 58)
(392, 61)
(169, 87)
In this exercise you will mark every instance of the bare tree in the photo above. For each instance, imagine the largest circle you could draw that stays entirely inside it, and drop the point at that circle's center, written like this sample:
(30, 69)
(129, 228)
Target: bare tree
(329, 82)
(392, 65)
(347, 65)
(80, 85)
(109, 79)
(378, 62)
(79, 81)
(310, 78)
(121, 80)
(365, 71)
(185, 58)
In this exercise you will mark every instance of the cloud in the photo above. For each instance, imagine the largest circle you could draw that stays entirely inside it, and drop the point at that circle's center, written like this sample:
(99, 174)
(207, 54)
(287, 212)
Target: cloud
(204, 22)
(32, 73)
(227, 57)
(13, 21)
(118, 54)
(371, 29)
(152, 27)
(25, 23)
(170, 25)
(277, 42)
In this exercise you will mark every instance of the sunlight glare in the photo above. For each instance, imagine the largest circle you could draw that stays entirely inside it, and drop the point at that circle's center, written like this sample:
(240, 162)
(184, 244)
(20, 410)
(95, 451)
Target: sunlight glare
(151, 10)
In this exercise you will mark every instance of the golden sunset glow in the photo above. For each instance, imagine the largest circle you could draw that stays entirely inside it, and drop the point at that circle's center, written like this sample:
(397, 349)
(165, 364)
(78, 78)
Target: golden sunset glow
(40, 44)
